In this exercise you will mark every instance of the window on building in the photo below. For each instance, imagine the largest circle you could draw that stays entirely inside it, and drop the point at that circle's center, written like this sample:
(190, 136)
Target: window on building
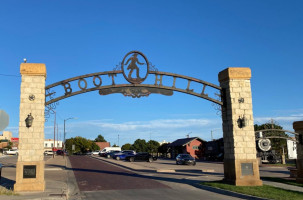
(52, 145)
(196, 147)
(45, 144)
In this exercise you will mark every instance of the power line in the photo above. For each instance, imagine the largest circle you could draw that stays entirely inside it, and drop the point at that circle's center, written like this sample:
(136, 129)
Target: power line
(10, 75)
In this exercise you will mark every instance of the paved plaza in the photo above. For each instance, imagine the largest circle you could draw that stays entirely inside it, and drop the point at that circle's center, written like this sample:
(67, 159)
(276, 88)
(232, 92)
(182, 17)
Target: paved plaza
(61, 182)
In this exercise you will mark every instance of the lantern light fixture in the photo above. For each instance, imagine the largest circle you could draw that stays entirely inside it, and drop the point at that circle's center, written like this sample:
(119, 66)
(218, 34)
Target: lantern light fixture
(29, 120)
(242, 122)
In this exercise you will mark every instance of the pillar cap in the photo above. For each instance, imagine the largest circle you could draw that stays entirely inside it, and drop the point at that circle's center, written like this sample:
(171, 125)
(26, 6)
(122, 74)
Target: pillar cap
(33, 69)
(235, 73)
(298, 125)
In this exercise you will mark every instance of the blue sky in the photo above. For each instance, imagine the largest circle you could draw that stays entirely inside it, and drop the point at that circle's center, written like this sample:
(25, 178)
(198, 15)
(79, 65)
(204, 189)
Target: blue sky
(192, 38)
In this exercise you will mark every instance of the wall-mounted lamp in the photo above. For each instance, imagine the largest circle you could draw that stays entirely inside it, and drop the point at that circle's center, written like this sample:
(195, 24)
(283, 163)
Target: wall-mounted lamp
(242, 122)
(29, 120)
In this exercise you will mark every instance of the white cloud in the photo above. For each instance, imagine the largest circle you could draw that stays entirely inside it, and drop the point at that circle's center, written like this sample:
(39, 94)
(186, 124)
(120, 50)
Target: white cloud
(280, 119)
(153, 124)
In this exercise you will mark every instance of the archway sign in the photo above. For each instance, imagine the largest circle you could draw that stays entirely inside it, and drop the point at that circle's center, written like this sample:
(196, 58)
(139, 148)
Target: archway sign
(136, 77)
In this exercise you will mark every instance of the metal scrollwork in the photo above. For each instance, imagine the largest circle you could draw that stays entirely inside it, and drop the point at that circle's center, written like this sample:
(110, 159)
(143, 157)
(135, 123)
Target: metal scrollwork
(118, 67)
(152, 67)
(218, 107)
(50, 108)
(135, 68)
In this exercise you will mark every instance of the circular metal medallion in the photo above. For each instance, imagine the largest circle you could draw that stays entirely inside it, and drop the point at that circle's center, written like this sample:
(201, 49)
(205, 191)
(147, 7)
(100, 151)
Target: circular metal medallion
(31, 97)
(136, 65)
(264, 144)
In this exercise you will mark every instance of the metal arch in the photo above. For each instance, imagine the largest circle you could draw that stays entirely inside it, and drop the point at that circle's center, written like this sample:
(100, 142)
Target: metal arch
(83, 76)
(280, 130)
(158, 86)
(277, 137)
(132, 85)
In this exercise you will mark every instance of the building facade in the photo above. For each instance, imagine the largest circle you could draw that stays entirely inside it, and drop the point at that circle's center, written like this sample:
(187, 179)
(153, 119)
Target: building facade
(193, 146)
(49, 144)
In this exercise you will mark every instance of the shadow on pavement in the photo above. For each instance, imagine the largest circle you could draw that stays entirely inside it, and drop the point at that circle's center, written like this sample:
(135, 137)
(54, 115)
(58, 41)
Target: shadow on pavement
(7, 183)
(194, 183)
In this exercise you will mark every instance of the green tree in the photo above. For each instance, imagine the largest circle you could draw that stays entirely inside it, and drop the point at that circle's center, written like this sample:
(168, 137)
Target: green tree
(153, 146)
(140, 146)
(127, 146)
(82, 145)
(164, 149)
(277, 144)
(115, 145)
(94, 146)
(100, 138)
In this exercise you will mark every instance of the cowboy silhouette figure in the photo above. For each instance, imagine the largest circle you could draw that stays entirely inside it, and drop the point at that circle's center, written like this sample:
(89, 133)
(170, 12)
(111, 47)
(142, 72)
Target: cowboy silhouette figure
(132, 66)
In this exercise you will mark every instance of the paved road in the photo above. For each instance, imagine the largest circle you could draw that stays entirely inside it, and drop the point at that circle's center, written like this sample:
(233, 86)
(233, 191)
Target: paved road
(94, 175)
(98, 179)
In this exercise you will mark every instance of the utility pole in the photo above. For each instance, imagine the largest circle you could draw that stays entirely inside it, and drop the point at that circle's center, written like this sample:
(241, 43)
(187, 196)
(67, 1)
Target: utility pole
(211, 134)
(54, 134)
(57, 137)
(64, 133)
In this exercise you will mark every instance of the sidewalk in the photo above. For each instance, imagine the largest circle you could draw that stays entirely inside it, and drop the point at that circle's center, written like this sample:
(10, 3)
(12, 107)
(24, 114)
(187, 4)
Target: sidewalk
(60, 183)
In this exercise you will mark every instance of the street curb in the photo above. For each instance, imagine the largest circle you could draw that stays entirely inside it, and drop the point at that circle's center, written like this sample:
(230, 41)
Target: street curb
(73, 191)
(153, 170)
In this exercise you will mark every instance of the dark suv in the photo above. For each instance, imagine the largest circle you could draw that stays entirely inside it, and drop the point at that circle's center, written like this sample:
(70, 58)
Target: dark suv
(185, 159)
(142, 156)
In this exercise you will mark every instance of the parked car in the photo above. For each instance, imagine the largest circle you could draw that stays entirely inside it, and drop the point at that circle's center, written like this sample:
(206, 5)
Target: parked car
(94, 153)
(142, 156)
(0, 170)
(103, 152)
(11, 152)
(48, 152)
(59, 152)
(185, 159)
(110, 154)
(123, 154)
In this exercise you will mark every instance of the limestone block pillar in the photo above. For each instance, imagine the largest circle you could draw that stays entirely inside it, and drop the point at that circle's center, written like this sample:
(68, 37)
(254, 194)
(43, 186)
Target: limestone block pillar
(240, 164)
(30, 164)
(298, 127)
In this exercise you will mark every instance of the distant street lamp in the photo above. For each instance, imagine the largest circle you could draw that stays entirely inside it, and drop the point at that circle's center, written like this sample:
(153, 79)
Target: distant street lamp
(64, 133)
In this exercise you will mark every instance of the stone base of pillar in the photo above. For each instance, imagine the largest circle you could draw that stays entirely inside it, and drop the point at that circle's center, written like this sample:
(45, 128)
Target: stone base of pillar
(299, 171)
(29, 176)
(242, 172)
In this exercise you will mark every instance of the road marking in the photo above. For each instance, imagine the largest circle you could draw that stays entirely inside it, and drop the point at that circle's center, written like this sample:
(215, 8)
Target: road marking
(166, 170)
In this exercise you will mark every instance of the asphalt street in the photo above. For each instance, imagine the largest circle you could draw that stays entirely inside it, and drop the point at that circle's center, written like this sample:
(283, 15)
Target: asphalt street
(98, 179)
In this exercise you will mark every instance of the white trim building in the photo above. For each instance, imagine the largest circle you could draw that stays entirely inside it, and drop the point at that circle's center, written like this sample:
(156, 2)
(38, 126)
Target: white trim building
(49, 144)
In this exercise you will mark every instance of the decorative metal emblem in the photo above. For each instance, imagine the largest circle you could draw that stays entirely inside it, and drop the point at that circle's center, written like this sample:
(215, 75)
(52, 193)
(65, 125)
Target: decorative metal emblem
(264, 144)
(130, 62)
(135, 92)
(31, 97)
(241, 100)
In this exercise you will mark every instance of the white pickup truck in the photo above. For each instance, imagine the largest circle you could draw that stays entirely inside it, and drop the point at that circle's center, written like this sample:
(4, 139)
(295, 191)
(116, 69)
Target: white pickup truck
(11, 152)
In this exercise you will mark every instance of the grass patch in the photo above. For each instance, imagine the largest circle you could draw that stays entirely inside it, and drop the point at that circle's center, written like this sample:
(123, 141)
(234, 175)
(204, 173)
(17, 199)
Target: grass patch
(280, 165)
(281, 180)
(264, 191)
(4, 191)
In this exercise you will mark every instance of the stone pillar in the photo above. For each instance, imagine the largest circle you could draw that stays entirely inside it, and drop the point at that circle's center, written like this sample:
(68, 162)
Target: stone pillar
(240, 163)
(298, 127)
(30, 165)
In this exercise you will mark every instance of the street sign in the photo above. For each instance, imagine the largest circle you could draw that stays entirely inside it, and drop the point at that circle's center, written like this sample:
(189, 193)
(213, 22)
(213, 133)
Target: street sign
(4, 120)
(73, 147)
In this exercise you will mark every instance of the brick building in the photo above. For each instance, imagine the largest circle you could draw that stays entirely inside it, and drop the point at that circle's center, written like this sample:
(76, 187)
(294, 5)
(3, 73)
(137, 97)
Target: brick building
(193, 146)
(102, 145)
